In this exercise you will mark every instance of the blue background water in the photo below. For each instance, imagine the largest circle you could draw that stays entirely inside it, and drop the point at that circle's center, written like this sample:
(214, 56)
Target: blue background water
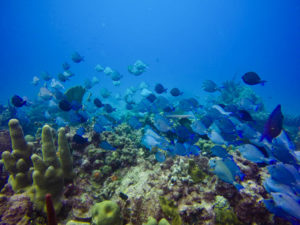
(183, 42)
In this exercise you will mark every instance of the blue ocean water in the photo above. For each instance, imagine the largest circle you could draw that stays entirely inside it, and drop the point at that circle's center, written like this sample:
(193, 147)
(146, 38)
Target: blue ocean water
(184, 43)
(230, 129)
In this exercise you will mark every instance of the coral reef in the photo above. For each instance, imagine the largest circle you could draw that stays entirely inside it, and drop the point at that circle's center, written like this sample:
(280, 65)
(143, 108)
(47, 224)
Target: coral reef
(5, 143)
(15, 208)
(18, 162)
(47, 174)
(106, 213)
(170, 209)
(49, 171)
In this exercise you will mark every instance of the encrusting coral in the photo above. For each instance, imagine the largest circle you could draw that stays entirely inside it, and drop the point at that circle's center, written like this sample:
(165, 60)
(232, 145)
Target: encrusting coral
(106, 213)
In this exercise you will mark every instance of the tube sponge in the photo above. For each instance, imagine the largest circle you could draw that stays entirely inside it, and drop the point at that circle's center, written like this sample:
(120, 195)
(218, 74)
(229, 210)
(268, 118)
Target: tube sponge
(48, 175)
(18, 162)
(65, 156)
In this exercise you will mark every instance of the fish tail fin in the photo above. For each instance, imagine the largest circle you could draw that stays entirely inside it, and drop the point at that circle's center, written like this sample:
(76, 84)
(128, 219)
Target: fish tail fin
(263, 82)
(238, 186)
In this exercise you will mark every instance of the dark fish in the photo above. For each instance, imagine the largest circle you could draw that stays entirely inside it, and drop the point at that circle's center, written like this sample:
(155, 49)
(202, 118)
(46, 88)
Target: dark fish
(17, 101)
(78, 139)
(108, 108)
(273, 126)
(134, 122)
(66, 66)
(123, 196)
(75, 105)
(106, 146)
(160, 89)
(46, 76)
(98, 103)
(115, 76)
(76, 57)
(210, 86)
(62, 77)
(175, 92)
(251, 78)
(219, 151)
(65, 105)
(80, 131)
(169, 109)
(151, 98)
(244, 115)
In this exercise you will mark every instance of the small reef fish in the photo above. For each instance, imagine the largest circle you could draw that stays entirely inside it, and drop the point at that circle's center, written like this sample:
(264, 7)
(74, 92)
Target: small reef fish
(221, 110)
(159, 88)
(76, 58)
(252, 78)
(161, 123)
(99, 68)
(17, 101)
(35, 80)
(273, 126)
(106, 146)
(227, 170)
(98, 103)
(175, 92)
(78, 139)
(66, 66)
(210, 86)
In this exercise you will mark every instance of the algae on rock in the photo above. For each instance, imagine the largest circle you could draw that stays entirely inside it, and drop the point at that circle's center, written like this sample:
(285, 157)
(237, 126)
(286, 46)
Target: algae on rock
(171, 210)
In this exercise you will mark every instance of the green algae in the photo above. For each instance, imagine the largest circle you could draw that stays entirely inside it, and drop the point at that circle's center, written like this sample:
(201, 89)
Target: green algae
(224, 213)
(195, 172)
(170, 209)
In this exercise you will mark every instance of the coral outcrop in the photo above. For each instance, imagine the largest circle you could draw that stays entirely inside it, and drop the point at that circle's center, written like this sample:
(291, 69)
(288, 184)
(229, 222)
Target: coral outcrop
(106, 213)
(35, 174)
(18, 162)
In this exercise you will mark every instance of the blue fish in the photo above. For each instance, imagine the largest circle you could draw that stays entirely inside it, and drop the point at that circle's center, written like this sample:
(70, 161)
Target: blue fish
(180, 149)
(77, 58)
(288, 204)
(151, 140)
(284, 173)
(106, 146)
(194, 150)
(17, 101)
(253, 154)
(162, 123)
(283, 149)
(226, 125)
(115, 76)
(134, 122)
(273, 126)
(199, 128)
(160, 156)
(215, 136)
(79, 139)
(159, 88)
(273, 186)
(80, 131)
(220, 152)
(184, 134)
(226, 170)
